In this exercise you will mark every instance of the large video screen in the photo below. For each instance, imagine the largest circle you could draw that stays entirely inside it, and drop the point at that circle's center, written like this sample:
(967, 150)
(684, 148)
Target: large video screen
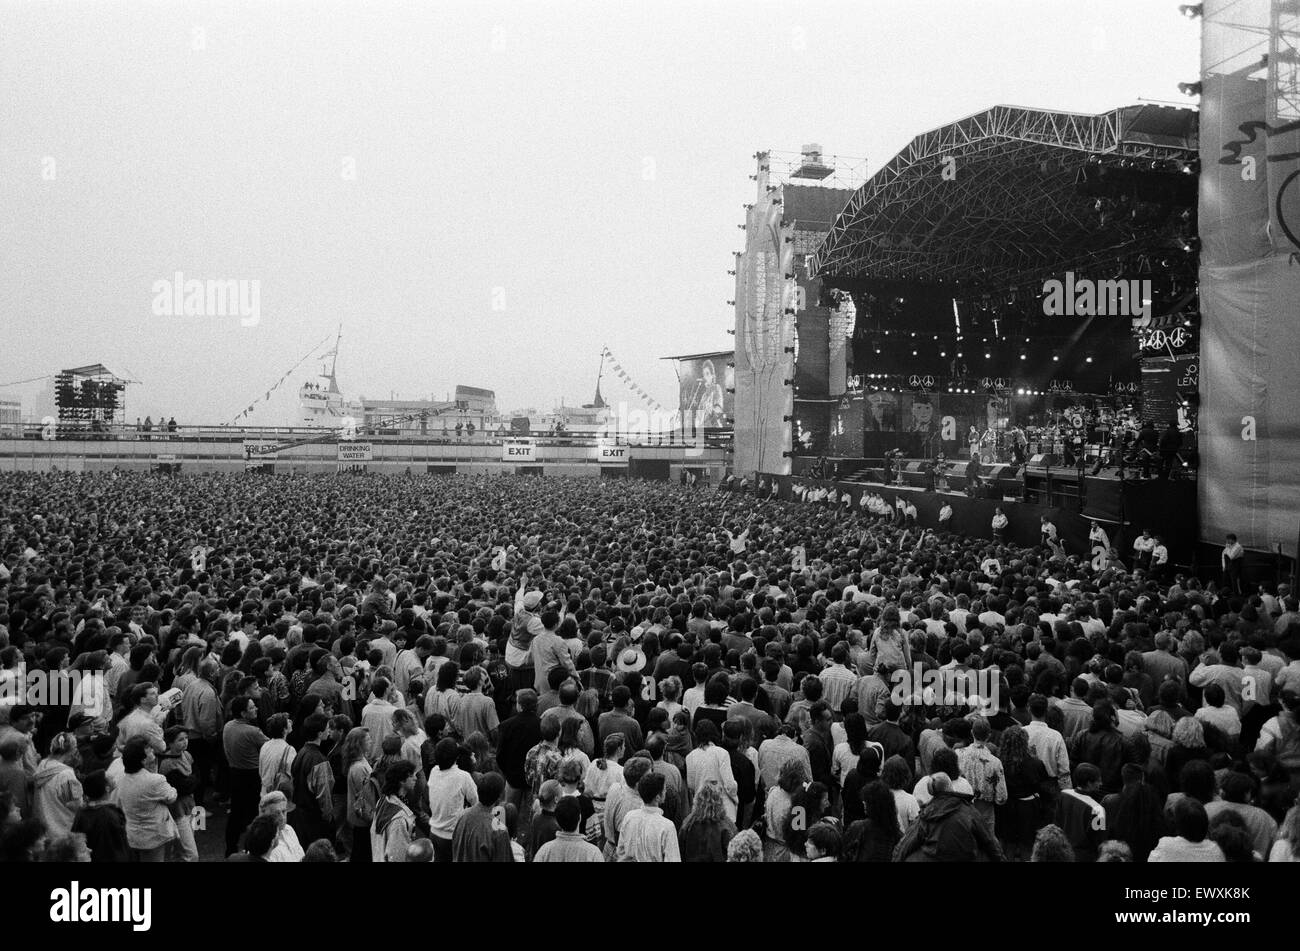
(706, 393)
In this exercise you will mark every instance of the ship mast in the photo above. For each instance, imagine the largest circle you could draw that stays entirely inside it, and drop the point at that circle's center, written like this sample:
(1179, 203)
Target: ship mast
(334, 386)
(599, 402)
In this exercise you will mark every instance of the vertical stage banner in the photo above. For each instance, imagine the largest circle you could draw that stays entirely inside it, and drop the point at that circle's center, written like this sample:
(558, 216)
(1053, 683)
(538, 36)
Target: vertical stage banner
(1249, 218)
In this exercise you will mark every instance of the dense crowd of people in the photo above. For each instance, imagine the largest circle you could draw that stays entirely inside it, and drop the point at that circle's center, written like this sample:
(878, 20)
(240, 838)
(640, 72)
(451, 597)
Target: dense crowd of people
(519, 669)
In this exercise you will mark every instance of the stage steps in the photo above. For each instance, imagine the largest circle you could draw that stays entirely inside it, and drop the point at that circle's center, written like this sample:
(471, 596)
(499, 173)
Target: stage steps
(869, 474)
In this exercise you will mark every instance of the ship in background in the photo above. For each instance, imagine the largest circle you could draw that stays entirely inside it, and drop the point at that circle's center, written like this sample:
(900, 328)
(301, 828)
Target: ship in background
(594, 418)
(323, 406)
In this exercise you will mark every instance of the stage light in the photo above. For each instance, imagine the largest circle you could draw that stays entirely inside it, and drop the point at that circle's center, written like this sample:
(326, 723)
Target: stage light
(1087, 359)
(913, 353)
(913, 333)
(877, 350)
(1055, 358)
(988, 356)
(1020, 392)
(1191, 10)
(959, 354)
(1187, 323)
(1190, 89)
(1190, 168)
(942, 354)
(1023, 357)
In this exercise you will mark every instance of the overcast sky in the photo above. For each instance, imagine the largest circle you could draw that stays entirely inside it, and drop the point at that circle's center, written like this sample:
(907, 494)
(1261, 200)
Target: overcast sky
(483, 193)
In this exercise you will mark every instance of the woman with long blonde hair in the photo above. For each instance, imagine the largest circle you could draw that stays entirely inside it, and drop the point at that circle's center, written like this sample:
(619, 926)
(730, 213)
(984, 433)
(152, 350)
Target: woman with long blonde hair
(405, 726)
(706, 830)
(361, 796)
(1051, 845)
(780, 799)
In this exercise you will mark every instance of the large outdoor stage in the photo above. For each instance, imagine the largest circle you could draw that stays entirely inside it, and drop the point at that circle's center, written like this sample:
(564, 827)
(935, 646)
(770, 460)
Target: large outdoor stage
(1124, 509)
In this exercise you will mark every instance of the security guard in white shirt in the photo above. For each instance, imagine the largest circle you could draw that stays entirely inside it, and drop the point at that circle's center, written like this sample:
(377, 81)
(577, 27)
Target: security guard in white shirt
(1159, 559)
(1142, 547)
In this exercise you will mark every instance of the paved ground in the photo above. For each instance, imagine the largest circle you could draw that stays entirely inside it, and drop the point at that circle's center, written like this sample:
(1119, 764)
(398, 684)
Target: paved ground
(212, 842)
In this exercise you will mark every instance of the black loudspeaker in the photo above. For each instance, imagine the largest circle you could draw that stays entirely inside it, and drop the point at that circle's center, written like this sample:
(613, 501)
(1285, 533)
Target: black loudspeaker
(1044, 460)
(916, 465)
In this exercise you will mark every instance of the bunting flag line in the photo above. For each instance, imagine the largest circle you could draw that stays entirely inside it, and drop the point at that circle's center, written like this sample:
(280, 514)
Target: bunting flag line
(288, 373)
(631, 384)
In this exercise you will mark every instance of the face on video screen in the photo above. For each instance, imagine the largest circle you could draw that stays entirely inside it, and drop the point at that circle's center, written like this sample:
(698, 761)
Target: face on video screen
(922, 416)
(881, 408)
